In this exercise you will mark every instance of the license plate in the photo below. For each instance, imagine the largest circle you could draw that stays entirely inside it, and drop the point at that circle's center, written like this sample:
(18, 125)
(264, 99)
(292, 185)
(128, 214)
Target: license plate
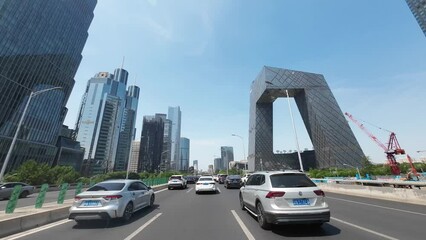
(91, 203)
(205, 183)
(301, 202)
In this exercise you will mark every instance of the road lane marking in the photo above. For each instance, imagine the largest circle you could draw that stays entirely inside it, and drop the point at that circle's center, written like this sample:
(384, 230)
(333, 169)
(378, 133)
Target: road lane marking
(189, 190)
(378, 206)
(35, 230)
(161, 190)
(142, 227)
(243, 226)
(365, 229)
(218, 189)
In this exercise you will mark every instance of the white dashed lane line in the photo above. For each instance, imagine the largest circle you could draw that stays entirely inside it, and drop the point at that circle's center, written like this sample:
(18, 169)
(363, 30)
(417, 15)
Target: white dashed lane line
(243, 226)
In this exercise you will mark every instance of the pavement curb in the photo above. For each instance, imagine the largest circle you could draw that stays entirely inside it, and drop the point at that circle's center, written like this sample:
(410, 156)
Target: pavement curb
(28, 217)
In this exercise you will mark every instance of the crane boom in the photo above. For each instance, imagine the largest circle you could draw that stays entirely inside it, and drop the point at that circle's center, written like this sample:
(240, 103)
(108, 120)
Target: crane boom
(392, 148)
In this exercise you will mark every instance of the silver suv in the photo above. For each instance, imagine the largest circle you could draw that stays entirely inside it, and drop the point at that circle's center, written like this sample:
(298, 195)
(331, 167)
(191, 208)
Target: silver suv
(284, 197)
(177, 181)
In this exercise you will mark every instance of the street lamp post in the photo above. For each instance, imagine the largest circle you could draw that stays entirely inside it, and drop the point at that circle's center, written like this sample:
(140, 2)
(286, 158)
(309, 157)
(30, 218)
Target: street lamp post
(12, 145)
(294, 128)
(357, 169)
(244, 150)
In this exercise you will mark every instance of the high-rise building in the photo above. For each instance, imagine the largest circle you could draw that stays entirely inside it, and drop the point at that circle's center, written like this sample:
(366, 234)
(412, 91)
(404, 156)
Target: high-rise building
(184, 154)
(217, 164)
(227, 154)
(195, 165)
(418, 8)
(105, 126)
(151, 144)
(127, 129)
(40, 48)
(70, 153)
(174, 115)
(134, 159)
(165, 154)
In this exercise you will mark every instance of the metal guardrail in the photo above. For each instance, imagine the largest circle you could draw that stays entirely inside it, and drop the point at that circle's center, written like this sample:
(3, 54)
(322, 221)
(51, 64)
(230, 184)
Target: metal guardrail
(382, 183)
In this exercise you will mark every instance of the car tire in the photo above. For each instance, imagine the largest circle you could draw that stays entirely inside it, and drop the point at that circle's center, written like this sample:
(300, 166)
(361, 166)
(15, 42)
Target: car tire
(152, 200)
(24, 194)
(169, 188)
(317, 225)
(242, 205)
(196, 192)
(263, 223)
(128, 212)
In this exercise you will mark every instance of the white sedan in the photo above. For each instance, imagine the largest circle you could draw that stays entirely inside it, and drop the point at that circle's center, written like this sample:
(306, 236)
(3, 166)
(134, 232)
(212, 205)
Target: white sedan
(205, 184)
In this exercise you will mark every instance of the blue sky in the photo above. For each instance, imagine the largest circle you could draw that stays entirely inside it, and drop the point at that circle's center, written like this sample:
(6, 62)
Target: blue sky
(203, 56)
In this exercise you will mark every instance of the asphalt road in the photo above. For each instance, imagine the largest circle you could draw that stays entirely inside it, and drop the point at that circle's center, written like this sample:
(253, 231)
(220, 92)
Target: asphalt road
(183, 215)
(31, 199)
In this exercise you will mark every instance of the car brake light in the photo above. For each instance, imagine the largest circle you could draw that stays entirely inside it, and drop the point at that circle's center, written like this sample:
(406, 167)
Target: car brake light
(319, 193)
(273, 194)
(199, 183)
(76, 198)
(112, 197)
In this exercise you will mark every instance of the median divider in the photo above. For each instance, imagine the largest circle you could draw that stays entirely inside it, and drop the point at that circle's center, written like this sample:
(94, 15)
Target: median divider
(26, 218)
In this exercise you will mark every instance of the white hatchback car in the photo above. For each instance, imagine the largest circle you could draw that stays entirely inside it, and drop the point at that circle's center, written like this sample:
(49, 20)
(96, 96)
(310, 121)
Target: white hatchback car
(284, 197)
(205, 184)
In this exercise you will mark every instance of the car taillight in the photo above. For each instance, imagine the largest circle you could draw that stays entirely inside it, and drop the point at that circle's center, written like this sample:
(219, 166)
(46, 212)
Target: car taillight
(76, 198)
(273, 194)
(199, 183)
(319, 193)
(112, 197)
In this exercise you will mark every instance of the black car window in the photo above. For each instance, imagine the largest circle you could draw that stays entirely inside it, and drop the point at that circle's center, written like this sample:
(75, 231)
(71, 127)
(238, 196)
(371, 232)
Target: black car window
(291, 181)
(254, 180)
(176, 177)
(142, 186)
(106, 187)
(134, 187)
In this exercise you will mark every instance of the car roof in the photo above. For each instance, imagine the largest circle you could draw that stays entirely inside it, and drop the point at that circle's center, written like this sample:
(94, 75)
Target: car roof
(121, 180)
(279, 172)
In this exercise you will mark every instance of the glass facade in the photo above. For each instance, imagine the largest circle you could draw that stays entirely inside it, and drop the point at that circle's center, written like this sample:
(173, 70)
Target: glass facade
(40, 47)
(135, 156)
(418, 8)
(184, 153)
(175, 115)
(106, 122)
(333, 140)
(227, 155)
(151, 143)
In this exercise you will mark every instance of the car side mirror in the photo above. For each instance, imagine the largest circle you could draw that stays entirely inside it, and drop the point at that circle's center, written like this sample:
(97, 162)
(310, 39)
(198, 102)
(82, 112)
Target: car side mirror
(149, 188)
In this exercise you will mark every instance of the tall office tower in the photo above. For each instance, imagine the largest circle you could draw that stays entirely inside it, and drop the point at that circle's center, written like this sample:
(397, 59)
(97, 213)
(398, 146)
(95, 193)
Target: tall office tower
(167, 145)
(184, 154)
(134, 159)
(40, 48)
(210, 169)
(127, 130)
(217, 164)
(102, 119)
(175, 116)
(151, 144)
(195, 165)
(227, 154)
(418, 8)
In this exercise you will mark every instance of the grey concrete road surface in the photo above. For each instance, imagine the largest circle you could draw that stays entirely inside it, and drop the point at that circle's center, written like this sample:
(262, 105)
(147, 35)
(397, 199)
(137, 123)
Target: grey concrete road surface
(31, 199)
(183, 215)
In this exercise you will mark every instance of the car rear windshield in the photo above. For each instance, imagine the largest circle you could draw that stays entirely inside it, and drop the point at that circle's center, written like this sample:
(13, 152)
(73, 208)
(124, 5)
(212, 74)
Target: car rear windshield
(205, 179)
(176, 177)
(291, 181)
(107, 187)
(234, 177)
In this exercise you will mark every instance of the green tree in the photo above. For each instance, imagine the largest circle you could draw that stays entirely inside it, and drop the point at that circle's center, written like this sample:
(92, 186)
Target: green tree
(63, 174)
(33, 173)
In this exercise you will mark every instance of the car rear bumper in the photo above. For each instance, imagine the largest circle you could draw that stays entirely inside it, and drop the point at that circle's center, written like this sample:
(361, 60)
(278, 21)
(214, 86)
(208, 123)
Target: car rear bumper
(106, 212)
(176, 185)
(233, 185)
(205, 189)
(90, 216)
(290, 218)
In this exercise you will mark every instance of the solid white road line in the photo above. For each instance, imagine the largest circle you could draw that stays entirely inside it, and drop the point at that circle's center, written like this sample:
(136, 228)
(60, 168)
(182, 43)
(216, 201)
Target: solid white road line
(189, 190)
(142, 227)
(162, 190)
(365, 229)
(378, 206)
(35, 230)
(243, 226)
(218, 189)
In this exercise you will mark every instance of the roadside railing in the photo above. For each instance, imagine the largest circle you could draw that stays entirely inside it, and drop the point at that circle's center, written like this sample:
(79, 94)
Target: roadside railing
(378, 183)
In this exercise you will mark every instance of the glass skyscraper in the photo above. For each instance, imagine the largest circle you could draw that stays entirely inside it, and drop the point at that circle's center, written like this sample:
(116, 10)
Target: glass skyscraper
(105, 126)
(418, 8)
(184, 153)
(227, 155)
(40, 48)
(151, 146)
(175, 116)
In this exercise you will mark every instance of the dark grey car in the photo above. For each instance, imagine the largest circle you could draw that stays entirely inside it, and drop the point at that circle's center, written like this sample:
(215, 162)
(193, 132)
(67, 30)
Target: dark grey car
(233, 181)
(6, 189)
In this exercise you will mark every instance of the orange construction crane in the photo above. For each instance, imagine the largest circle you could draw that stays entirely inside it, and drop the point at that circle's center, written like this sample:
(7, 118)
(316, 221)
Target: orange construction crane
(393, 148)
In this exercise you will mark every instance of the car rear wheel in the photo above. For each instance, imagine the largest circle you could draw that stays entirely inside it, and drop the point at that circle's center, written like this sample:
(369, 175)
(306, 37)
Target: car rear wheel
(242, 206)
(128, 212)
(261, 217)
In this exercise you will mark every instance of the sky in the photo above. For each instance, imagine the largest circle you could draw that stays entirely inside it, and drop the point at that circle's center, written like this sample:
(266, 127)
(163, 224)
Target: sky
(204, 55)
